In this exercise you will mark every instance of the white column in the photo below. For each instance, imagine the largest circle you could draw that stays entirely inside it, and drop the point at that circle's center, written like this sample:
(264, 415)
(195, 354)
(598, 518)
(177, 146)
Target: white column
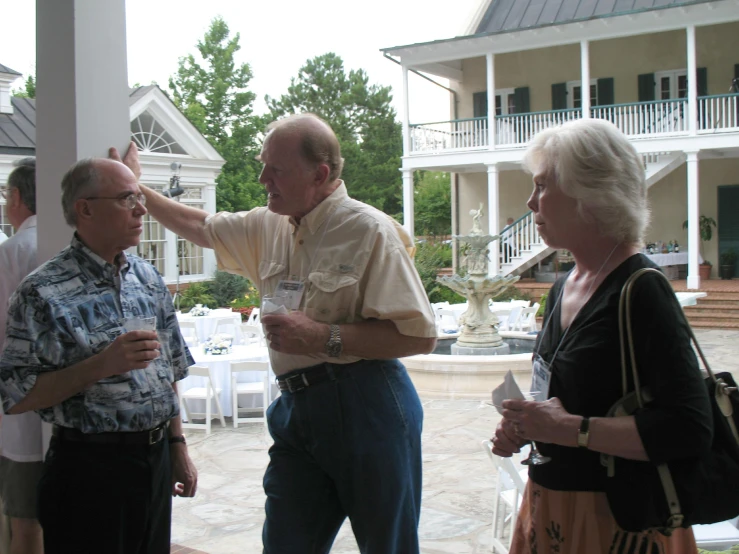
(455, 219)
(585, 78)
(408, 201)
(406, 115)
(694, 281)
(692, 84)
(490, 58)
(493, 219)
(209, 255)
(81, 102)
(171, 268)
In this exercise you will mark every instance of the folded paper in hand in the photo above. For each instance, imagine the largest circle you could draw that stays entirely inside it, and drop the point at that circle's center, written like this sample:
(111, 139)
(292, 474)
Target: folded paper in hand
(508, 390)
(273, 306)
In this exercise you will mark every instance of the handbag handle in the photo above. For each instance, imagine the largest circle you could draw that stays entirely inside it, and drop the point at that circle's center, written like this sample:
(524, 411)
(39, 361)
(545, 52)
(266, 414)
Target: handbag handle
(626, 335)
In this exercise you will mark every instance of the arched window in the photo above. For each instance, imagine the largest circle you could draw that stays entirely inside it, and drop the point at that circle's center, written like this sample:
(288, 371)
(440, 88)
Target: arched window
(150, 136)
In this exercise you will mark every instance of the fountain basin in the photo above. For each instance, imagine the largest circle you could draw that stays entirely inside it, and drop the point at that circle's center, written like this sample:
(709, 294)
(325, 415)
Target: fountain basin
(451, 377)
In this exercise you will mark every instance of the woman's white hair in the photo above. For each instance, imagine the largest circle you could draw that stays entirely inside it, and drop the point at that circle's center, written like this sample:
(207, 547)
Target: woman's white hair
(591, 161)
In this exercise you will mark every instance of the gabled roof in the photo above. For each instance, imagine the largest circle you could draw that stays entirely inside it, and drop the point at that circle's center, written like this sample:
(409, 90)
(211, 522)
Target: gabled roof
(515, 15)
(18, 130)
(6, 69)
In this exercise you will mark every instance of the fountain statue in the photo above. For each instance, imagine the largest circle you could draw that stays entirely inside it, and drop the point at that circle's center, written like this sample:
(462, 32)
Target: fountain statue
(479, 326)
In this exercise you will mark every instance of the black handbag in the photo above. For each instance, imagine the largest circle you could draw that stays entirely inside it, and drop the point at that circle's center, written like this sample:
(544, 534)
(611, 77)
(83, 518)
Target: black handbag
(643, 495)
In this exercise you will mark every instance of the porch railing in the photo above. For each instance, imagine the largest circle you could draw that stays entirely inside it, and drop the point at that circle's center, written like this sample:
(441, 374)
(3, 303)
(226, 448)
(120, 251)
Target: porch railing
(517, 129)
(718, 113)
(518, 237)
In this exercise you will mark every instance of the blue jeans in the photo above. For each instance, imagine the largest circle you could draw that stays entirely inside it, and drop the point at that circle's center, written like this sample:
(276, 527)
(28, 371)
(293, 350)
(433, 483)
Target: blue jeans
(350, 446)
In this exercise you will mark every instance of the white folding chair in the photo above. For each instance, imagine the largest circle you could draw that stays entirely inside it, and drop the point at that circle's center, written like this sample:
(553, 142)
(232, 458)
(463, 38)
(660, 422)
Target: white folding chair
(253, 334)
(260, 387)
(191, 336)
(448, 319)
(527, 319)
(253, 317)
(510, 323)
(226, 326)
(511, 481)
(208, 394)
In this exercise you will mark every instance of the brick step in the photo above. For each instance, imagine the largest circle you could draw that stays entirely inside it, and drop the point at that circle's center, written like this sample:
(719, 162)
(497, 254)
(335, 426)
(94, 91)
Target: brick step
(722, 324)
(695, 312)
(720, 297)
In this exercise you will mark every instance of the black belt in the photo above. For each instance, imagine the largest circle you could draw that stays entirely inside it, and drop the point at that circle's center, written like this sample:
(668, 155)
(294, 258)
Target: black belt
(303, 378)
(149, 437)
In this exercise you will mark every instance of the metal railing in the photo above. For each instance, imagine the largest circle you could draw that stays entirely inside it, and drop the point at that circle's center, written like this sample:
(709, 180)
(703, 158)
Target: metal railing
(518, 237)
(518, 129)
(646, 118)
(450, 135)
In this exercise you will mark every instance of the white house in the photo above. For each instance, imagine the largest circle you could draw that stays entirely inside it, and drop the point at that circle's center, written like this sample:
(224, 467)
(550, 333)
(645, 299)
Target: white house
(164, 136)
(519, 68)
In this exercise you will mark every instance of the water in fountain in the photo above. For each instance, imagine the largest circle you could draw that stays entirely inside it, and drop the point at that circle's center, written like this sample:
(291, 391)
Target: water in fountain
(479, 326)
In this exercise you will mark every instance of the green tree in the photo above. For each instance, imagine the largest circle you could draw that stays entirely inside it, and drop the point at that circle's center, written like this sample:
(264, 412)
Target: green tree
(433, 203)
(212, 92)
(364, 122)
(29, 88)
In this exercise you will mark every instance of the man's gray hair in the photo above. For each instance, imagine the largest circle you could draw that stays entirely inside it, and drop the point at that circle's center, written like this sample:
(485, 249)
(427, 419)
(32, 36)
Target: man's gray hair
(593, 162)
(79, 182)
(23, 178)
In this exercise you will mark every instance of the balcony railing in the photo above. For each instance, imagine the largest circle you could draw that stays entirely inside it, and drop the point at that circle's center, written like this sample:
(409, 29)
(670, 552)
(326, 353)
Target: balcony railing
(718, 113)
(518, 238)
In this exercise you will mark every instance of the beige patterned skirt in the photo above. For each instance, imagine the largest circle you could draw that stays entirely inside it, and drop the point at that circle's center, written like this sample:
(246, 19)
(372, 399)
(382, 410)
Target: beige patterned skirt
(566, 522)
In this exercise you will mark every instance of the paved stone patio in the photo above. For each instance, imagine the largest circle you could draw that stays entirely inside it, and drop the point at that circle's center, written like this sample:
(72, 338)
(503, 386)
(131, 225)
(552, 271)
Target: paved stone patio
(226, 515)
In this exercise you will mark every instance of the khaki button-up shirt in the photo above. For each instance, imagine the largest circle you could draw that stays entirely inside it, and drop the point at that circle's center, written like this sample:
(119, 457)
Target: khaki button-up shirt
(353, 259)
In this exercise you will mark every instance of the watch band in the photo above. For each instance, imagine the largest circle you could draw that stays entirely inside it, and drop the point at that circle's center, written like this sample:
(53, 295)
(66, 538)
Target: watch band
(583, 435)
(176, 439)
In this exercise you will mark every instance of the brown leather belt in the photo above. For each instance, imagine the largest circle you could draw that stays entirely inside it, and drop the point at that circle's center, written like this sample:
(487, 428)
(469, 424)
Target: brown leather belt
(149, 437)
(300, 379)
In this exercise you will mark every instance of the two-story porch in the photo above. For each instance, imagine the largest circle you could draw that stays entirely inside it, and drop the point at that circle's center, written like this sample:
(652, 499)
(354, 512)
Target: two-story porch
(636, 59)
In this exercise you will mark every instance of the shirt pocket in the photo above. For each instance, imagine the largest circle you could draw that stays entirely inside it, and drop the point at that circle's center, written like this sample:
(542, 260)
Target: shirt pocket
(269, 275)
(332, 297)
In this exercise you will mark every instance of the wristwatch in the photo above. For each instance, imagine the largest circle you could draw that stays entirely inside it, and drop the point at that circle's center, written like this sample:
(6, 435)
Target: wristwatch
(583, 435)
(177, 438)
(334, 345)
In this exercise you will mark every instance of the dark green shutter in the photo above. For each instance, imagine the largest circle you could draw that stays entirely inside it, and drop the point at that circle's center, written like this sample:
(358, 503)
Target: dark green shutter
(701, 78)
(646, 87)
(559, 96)
(521, 96)
(480, 104)
(606, 96)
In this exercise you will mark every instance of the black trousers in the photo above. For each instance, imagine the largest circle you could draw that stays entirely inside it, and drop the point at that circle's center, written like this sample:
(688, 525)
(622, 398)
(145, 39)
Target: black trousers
(111, 499)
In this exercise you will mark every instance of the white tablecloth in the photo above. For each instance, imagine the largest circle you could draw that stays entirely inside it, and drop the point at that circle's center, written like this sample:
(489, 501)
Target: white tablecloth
(221, 371)
(689, 298)
(206, 324)
(663, 260)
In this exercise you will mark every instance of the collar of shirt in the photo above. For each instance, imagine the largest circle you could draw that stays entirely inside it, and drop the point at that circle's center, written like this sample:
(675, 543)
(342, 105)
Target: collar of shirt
(318, 215)
(96, 264)
(28, 223)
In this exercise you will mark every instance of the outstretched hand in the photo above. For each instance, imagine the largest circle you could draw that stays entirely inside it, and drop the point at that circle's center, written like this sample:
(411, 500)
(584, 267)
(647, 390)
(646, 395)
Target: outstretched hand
(130, 160)
(295, 333)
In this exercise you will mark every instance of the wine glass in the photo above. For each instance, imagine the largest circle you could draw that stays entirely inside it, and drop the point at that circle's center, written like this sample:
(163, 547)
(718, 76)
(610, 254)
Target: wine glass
(535, 458)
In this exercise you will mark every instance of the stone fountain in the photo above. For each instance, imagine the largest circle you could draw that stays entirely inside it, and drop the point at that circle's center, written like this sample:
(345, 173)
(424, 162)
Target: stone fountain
(479, 326)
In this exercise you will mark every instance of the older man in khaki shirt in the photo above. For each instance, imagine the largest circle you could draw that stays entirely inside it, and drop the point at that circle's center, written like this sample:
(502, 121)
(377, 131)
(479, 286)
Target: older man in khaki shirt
(347, 427)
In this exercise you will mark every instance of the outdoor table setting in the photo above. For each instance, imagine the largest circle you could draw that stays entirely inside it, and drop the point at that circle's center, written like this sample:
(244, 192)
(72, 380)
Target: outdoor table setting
(205, 324)
(220, 367)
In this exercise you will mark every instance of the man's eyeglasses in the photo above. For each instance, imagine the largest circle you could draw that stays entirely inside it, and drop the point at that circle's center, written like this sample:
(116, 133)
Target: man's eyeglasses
(129, 201)
(4, 193)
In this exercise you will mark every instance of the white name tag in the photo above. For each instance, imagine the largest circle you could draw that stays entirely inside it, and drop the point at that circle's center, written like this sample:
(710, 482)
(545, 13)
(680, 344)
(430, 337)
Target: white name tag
(291, 292)
(540, 379)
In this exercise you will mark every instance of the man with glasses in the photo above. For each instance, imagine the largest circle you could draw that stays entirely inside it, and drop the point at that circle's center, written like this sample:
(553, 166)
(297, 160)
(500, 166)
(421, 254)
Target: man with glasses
(72, 354)
(23, 442)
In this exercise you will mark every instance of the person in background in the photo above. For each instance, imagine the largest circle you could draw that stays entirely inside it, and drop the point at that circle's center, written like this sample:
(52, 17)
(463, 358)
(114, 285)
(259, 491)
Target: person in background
(508, 241)
(23, 440)
(590, 197)
(347, 426)
(117, 454)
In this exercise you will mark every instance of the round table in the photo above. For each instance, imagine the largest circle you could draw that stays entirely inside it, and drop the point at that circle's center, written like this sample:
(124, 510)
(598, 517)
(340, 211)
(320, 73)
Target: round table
(220, 369)
(205, 325)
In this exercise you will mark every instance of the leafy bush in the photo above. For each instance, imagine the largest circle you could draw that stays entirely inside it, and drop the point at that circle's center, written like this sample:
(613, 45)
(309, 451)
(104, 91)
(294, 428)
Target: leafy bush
(542, 305)
(227, 287)
(250, 299)
(512, 293)
(430, 258)
(245, 312)
(196, 293)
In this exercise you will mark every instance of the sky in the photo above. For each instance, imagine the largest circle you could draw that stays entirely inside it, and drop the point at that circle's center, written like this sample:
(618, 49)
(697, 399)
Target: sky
(277, 38)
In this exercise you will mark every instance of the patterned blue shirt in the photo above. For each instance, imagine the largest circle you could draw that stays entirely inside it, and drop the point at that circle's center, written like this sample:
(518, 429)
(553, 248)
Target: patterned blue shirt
(70, 309)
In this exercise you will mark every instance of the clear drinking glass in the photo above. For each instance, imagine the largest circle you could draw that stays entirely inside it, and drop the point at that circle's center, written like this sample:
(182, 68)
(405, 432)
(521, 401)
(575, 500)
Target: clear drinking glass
(535, 458)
